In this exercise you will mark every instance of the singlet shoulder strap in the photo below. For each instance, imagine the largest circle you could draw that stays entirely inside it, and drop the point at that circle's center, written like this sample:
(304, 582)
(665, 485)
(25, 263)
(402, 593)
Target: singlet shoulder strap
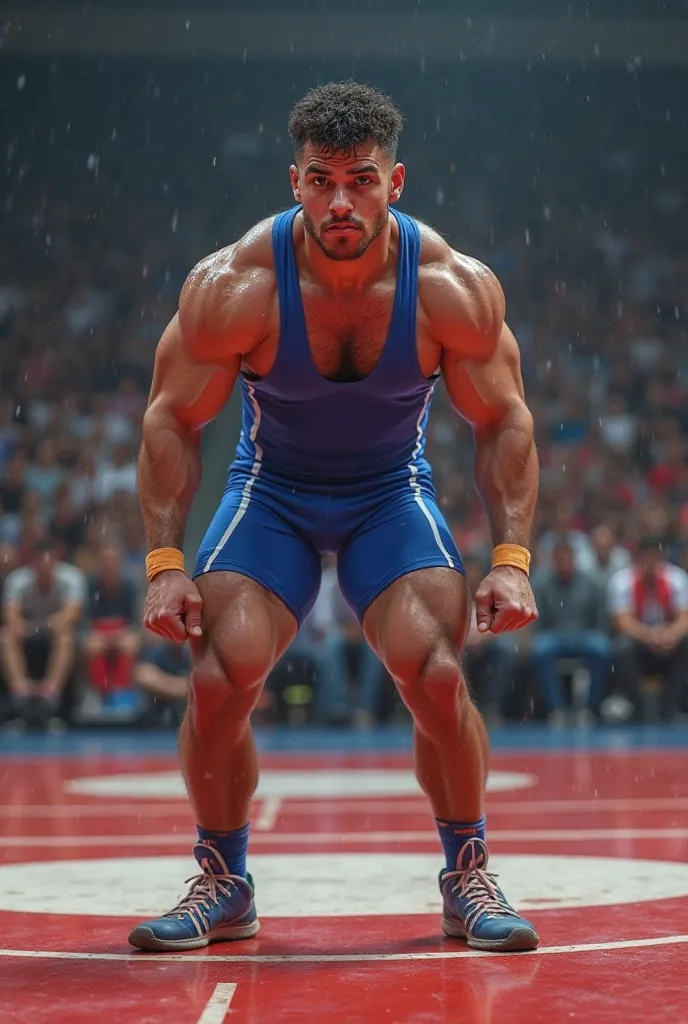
(404, 314)
(286, 271)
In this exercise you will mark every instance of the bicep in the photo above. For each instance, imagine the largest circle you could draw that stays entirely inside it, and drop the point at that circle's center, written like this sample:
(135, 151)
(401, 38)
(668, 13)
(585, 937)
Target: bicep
(189, 392)
(483, 392)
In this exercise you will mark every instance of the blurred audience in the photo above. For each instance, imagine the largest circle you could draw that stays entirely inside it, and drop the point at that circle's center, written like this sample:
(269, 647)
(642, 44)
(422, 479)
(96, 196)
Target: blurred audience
(649, 605)
(572, 625)
(42, 604)
(161, 672)
(596, 296)
(113, 637)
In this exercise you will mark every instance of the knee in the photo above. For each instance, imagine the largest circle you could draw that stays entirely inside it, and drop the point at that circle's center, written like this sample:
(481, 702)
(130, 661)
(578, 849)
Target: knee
(129, 643)
(238, 669)
(439, 681)
(598, 645)
(544, 645)
(231, 672)
(94, 643)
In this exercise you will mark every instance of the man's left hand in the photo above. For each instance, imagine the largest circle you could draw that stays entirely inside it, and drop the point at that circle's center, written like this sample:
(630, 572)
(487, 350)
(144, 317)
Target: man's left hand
(505, 601)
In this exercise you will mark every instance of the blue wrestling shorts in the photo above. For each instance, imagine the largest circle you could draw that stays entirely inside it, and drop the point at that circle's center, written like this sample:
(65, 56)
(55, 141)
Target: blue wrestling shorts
(275, 533)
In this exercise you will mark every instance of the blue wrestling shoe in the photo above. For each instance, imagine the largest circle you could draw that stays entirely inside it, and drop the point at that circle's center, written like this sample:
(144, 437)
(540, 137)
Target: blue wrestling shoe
(476, 909)
(219, 907)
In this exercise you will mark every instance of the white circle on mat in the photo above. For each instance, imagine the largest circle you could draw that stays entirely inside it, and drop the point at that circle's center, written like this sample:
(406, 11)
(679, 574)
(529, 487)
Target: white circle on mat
(333, 884)
(346, 782)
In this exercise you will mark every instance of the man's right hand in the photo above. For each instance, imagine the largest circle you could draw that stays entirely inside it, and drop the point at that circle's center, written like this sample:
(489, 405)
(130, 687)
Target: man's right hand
(661, 640)
(173, 606)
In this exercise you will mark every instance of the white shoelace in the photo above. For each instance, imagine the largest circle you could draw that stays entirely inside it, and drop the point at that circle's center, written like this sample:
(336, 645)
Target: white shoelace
(477, 886)
(204, 892)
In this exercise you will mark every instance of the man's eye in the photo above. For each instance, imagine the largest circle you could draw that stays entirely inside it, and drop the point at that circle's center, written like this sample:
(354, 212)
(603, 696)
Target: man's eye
(319, 180)
(363, 180)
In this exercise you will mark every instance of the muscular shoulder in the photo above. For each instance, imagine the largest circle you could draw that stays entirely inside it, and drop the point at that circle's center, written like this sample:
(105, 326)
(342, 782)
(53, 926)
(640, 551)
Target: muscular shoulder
(229, 296)
(460, 298)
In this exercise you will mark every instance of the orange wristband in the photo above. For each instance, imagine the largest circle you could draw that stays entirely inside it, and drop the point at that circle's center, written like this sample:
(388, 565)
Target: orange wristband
(511, 554)
(162, 559)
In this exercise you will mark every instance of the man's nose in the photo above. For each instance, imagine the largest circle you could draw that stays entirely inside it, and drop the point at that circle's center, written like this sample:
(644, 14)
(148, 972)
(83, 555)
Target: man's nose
(340, 204)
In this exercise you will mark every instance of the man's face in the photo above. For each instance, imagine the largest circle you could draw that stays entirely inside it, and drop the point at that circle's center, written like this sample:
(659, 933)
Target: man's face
(44, 564)
(345, 197)
(603, 541)
(648, 561)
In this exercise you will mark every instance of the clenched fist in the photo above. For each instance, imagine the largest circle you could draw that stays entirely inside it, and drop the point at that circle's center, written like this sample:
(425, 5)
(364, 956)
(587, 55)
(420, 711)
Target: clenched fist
(173, 606)
(505, 601)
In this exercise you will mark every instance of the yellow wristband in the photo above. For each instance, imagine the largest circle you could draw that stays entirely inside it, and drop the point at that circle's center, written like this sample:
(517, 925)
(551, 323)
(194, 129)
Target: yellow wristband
(162, 559)
(511, 554)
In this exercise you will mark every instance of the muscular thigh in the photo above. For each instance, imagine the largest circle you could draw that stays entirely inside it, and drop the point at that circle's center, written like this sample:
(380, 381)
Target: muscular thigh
(405, 533)
(246, 628)
(255, 534)
(422, 613)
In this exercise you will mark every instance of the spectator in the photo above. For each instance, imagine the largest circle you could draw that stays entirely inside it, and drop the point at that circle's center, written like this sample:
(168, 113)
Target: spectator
(564, 531)
(117, 474)
(649, 605)
(12, 483)
(42, 605)
(67, 526)
(134, 547)
(32, 526)
(571, 625)
(9, 429)
(45, 475)
(82, 483)
(670, 475)
(618, 427)
(162, 672)
(490, 659)
(609, 556)
(112, 641)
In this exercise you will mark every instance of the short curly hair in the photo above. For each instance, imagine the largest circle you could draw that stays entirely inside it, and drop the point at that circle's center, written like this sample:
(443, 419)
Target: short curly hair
(339, 116)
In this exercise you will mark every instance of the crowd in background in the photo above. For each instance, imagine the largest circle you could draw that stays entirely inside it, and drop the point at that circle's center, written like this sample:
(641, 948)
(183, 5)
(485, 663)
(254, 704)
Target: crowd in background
(590, 241)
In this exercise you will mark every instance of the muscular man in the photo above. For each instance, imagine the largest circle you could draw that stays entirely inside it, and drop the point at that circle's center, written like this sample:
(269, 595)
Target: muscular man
(338, 317)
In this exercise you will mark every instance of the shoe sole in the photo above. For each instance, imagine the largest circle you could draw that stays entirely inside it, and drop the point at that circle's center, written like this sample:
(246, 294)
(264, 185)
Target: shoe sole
(520, 941)
(143, 938)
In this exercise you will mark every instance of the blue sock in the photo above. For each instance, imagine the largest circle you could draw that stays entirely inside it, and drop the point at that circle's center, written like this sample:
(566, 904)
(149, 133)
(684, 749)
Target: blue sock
(453, 835)
(232, 847)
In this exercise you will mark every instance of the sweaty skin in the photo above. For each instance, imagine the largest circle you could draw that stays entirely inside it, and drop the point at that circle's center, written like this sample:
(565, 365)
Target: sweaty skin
(229, 320)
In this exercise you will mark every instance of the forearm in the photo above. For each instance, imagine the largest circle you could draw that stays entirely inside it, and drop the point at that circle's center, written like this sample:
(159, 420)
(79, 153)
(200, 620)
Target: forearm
(169, 475)
(678, 629)
(506, 473)
(628, 625)
(153, 679)
(66, 618)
